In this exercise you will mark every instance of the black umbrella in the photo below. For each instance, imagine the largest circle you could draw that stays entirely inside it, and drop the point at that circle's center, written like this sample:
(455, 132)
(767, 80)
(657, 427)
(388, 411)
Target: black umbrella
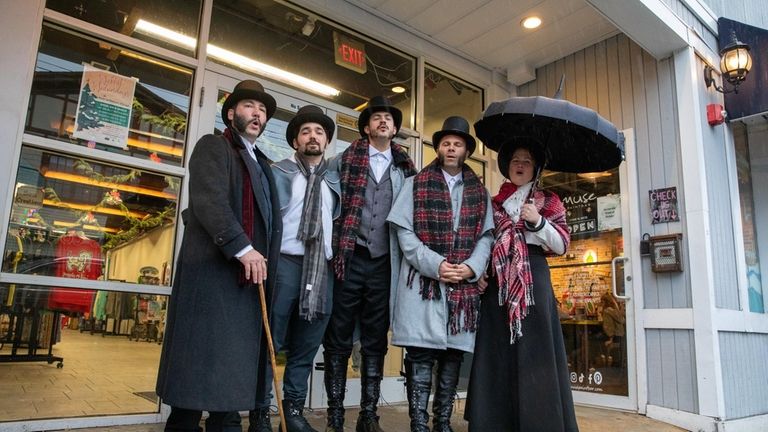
(575, 139)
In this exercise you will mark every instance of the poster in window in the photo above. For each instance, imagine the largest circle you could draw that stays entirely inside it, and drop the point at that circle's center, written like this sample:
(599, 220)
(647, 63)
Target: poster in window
(608, 212)
(104, 107)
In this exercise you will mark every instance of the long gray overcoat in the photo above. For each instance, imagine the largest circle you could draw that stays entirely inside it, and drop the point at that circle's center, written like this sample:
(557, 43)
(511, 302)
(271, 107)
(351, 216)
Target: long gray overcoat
(424, 323)
(214, 351)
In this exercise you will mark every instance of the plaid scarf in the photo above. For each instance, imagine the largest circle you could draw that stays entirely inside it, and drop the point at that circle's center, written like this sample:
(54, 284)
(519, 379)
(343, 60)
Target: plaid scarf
(354, 180)
(509, 257)
(433, 224)
(314, 271)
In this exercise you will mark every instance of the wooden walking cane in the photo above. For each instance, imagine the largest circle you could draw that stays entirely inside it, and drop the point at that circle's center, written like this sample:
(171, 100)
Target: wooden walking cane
(271, 347)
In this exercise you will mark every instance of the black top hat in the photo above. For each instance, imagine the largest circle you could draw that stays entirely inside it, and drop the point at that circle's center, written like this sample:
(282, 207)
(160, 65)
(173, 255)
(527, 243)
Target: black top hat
(529, 143)
(248, 89)
(309, 114)
(378, 104)
(455, 125)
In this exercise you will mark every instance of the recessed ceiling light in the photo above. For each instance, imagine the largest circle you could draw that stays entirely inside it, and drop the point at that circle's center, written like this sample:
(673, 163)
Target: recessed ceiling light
(531, 22)
(398, 89)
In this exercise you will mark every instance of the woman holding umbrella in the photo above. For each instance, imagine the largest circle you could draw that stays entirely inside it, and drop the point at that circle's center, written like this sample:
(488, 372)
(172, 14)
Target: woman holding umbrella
(519, 379)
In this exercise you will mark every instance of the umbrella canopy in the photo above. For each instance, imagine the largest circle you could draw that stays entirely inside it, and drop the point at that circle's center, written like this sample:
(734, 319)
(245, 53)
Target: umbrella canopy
(575, 139)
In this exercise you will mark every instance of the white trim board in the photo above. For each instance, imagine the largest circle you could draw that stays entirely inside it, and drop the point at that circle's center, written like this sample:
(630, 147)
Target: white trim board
(700, 423)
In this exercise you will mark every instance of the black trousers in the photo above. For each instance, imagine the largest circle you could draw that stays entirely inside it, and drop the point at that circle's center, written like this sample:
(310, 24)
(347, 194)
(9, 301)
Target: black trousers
(362, 297)
(424, 355)
(185, 420)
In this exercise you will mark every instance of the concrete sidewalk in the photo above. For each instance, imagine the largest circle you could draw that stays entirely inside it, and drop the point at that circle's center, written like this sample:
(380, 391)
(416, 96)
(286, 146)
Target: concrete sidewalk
(394, 418)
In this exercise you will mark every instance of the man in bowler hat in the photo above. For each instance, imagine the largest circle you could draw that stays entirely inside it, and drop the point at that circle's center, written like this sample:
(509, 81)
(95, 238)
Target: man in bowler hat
(214, 355)
(444, 224)
(372, 170)
(309, 196)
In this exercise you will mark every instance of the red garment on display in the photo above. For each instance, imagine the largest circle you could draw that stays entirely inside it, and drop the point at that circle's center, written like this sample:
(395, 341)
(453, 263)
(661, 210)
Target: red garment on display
(77, 258)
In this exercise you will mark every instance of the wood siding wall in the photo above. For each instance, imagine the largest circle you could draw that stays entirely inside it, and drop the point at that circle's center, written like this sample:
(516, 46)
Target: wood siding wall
(630, 88)
(672, 369)
(743, 358)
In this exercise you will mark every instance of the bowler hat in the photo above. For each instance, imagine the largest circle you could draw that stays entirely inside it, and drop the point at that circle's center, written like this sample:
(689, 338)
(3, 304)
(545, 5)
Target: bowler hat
(309, 114)
(507, 149)
(248, 89)
(458, 126)
(378, 104)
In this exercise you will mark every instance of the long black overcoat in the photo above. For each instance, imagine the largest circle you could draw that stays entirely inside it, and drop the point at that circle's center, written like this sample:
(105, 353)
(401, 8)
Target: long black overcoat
(214, 352)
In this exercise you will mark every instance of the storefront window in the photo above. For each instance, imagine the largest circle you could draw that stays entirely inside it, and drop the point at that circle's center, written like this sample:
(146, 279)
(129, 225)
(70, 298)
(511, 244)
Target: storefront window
(301, 50)
(158, 103)
(62, 358)
(751, 142)
(78, 218)
(593, 320)
(446, 96)
(138, 18)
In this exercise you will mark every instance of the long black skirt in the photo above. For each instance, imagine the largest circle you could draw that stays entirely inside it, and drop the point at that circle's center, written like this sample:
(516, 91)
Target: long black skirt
(522, 386)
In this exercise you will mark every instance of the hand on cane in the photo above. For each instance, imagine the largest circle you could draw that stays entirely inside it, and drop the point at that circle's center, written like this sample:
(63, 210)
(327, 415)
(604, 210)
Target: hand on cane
(255, 266)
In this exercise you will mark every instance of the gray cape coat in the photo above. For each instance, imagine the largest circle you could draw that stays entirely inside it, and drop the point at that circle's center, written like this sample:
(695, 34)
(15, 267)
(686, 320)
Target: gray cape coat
(424, 323)
(214, 353)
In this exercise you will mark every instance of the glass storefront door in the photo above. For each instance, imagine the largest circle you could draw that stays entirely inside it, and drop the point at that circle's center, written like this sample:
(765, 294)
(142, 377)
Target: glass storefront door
(592, 284)
(217, 86)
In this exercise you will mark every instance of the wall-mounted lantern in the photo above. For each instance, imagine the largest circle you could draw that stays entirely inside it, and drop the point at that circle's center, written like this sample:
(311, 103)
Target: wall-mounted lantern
(735, 63)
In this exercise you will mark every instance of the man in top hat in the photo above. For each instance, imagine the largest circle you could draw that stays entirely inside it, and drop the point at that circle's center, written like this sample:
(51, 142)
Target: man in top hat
(214, 354)
(373, 170)
(444, 225)
(309, 201)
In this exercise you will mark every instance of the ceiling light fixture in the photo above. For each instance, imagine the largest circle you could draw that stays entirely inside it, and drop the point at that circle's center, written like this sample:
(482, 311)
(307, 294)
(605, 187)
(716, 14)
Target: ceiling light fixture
(398, 89)
(531, 22)
(75, 178)
(151, 29)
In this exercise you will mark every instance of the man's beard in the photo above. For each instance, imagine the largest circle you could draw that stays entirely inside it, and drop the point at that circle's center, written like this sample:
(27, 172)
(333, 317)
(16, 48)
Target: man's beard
(441, 160)
(240, 124)
(389, 134)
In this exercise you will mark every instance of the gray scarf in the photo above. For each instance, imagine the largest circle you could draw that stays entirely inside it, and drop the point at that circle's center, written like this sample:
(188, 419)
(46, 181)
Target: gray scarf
(314, 274)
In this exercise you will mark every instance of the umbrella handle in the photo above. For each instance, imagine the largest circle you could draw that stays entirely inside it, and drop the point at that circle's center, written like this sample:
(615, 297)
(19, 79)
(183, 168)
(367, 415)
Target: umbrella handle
(271, 347)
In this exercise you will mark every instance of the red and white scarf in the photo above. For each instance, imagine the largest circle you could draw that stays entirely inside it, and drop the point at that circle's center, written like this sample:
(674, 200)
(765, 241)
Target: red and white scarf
(509, 256)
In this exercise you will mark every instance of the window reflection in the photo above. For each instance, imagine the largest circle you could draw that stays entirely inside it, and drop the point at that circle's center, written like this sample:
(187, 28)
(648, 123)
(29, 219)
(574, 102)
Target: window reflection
(61, 358)
(77, 218)
(302, 44)
(446, 96)
(160, 108)
(180, 16)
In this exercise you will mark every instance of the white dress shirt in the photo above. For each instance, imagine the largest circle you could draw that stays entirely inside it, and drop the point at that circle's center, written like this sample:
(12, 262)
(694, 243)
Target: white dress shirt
(292, 216)
(452, 180)
(379, 161)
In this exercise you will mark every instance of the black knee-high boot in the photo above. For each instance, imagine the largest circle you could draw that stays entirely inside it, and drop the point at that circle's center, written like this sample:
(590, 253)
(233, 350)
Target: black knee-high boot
(335, 387)
(372, 374)
(418, 383)
(442, 405)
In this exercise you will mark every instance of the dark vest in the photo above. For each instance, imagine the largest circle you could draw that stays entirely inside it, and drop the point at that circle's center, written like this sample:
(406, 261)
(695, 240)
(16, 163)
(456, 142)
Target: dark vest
(373, 232)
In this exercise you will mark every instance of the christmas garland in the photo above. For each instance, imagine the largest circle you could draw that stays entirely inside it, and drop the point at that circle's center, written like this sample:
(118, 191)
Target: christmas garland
(138, 227)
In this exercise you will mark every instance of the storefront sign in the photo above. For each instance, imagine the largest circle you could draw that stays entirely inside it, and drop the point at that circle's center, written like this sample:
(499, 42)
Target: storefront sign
(28, 196)
(608, 212)
(346, 121)
(349, 53)
(104, 108)
(664, 205)
(580, 213)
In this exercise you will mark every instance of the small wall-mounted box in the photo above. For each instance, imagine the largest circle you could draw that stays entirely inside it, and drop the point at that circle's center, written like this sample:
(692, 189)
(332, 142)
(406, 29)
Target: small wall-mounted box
(665, 253)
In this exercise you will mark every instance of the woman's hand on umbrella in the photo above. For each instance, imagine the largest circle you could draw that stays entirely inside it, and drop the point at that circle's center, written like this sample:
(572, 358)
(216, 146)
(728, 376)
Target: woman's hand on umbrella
(530, 214)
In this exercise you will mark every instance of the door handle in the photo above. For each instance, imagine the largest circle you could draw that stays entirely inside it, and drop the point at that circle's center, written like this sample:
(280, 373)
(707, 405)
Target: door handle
(613, 277)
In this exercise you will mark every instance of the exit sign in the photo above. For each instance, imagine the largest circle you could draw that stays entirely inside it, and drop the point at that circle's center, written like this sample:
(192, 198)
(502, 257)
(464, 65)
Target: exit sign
(349, 53)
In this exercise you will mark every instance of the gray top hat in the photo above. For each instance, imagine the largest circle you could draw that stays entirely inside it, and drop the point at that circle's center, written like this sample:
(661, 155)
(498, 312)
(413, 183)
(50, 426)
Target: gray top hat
(309, 114)
(378, 104)
(248, 89)
(458, 126)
